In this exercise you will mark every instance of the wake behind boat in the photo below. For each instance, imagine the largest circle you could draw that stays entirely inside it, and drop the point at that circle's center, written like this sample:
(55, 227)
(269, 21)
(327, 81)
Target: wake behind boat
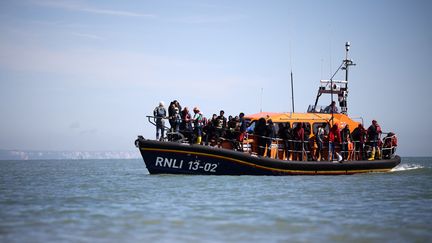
(272, 143)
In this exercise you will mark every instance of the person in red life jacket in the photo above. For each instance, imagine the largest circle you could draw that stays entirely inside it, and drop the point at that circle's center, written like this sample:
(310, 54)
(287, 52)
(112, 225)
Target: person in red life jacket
(390, 144)
(374, 133)
(298, 142)
(334, 140)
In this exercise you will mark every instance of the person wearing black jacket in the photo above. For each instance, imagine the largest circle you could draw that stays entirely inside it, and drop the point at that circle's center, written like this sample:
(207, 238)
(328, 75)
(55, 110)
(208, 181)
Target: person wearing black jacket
(270, 134)
(346, 136)
(260, 131)
(284, 133)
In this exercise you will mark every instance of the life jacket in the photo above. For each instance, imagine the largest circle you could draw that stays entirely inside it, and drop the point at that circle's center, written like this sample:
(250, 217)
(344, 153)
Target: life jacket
(198, 120)
(176, 116)
(394, 140)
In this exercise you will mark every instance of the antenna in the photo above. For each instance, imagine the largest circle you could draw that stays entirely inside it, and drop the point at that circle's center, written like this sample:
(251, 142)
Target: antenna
(292, 80)
(261, 98)
(346, 64)
(292, 91)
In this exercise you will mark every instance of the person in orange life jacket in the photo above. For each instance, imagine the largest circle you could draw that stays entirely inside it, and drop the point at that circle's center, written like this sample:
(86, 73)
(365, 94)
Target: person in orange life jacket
(299, 141)
(270, 134)
(198, 124)
(374, 133)
(334, 139)
(159, 114)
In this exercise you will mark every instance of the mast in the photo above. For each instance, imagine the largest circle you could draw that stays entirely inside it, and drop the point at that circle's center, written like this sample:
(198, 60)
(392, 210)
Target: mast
(339, 87)
(292, 91)
(346, 64)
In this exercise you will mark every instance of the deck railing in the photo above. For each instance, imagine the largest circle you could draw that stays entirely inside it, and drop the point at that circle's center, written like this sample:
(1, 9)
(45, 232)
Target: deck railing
(286, 148)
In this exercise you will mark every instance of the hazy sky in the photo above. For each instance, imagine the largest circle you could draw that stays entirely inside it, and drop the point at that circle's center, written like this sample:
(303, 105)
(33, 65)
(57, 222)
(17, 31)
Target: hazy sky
(82, 75)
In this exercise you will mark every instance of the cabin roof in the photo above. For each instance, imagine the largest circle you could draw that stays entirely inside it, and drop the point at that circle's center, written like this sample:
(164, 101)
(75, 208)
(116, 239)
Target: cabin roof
(277, 117)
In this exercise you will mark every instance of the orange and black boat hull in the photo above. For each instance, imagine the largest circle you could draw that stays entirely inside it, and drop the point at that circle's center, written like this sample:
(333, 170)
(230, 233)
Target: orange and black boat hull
(177, 158)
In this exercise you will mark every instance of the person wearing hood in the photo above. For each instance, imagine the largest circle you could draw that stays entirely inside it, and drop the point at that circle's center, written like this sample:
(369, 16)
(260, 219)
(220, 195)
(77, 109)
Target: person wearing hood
(359, 137)
(332, 108)
(374, 133)
(334, 139)
(174, 116)
(270, 134)
(259, 134)
(159, 114)
(346, 139)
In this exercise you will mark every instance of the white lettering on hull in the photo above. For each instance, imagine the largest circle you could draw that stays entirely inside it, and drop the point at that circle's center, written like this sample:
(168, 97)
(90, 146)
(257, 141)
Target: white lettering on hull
(159, 161)
(169, 163)
(191, 165)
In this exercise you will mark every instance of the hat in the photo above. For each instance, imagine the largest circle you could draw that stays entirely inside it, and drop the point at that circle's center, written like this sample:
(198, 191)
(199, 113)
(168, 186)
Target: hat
(161, 103)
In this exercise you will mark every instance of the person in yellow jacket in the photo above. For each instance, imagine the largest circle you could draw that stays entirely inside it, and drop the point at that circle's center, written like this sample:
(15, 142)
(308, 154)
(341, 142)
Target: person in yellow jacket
(198, 124)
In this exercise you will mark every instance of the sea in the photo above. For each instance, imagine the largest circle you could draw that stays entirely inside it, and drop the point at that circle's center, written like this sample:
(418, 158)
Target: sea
(119, 201)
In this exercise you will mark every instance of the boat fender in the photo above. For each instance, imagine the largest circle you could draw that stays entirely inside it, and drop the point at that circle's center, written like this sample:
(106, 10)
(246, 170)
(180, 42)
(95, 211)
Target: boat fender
(339, 157)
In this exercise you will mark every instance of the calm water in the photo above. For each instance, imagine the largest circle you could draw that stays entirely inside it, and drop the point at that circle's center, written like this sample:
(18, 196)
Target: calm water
(118, 201)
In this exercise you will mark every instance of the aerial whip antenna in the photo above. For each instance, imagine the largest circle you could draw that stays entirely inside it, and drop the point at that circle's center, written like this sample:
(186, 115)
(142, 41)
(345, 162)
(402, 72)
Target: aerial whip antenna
(261, 98)
(292, 81)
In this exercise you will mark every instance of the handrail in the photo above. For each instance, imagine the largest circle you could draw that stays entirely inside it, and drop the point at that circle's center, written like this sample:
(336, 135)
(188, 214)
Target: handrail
(169, 132)
(327, 81)
(277, 142)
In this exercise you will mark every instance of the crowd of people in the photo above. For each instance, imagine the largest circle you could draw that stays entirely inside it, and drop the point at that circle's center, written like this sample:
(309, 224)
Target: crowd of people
(325, 142)
(196, 128)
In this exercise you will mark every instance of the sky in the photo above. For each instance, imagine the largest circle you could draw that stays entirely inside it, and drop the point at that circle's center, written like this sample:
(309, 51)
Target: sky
(83, 75)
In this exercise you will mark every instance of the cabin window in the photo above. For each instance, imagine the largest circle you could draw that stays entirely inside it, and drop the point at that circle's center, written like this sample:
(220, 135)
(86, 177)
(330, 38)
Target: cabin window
(317, 124)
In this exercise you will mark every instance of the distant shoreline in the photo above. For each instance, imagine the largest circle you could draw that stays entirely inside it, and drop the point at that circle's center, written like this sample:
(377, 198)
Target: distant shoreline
(16, 154)
(70, 155)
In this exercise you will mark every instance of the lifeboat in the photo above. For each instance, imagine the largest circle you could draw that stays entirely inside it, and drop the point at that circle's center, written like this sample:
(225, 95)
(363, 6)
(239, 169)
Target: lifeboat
(279, 156)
